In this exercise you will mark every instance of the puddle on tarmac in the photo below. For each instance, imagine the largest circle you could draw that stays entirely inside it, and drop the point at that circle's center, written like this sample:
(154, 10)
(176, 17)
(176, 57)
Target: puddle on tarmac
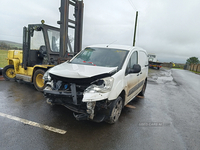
(162, 77)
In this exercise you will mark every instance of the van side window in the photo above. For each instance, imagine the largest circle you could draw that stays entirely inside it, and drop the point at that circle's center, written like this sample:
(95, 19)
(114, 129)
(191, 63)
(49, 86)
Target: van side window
(133, 60)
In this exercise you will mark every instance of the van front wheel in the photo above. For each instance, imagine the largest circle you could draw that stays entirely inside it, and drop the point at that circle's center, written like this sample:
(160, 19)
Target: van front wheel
(115, 110)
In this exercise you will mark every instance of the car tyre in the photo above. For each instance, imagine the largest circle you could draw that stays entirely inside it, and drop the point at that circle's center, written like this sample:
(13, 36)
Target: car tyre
(115, 111)
(143, 89)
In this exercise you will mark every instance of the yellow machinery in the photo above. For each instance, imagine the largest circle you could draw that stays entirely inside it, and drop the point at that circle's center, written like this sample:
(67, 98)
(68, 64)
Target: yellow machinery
(40, 52)
(45, 46)
(14, 70)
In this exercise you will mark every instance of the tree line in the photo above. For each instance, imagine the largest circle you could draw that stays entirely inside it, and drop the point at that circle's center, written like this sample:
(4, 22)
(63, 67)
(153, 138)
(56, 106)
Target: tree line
(192, 60)
(4, 46)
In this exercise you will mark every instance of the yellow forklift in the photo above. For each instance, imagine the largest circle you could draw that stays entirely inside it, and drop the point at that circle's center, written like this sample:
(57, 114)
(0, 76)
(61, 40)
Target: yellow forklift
(45, 46)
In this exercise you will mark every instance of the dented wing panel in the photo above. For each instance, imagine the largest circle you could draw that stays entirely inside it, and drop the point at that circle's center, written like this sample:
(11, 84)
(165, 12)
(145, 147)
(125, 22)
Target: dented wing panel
(118, 85)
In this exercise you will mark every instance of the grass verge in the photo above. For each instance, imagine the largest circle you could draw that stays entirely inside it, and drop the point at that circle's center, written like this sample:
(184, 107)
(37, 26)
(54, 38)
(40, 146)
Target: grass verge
(196, 72)
(3, 56)
(177, 68)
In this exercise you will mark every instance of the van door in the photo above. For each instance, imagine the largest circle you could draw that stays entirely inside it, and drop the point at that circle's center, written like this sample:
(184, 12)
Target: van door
(131, 79)
(143, 61)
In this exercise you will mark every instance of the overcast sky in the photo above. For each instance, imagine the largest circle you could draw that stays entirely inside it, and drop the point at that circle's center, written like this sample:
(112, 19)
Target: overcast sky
(168, 28)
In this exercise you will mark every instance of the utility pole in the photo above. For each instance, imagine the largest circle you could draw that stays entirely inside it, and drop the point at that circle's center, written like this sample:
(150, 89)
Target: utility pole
(135, 28)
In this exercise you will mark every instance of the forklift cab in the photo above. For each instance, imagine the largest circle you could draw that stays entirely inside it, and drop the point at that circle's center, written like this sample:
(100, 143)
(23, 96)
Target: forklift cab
(40, 45)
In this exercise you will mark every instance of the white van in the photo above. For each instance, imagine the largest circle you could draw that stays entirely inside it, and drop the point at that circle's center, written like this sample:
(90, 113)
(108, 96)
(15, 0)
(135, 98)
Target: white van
(98, 81)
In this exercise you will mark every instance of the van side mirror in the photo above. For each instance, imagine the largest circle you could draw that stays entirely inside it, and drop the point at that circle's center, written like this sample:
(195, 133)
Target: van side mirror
(135, 69)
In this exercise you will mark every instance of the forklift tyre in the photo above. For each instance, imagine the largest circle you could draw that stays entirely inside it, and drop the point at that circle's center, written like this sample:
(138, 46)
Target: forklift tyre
(9, 73)
(38, 80)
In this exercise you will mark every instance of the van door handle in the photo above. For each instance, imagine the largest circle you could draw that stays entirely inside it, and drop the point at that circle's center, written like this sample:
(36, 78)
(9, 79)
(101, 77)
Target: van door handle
(140, 72)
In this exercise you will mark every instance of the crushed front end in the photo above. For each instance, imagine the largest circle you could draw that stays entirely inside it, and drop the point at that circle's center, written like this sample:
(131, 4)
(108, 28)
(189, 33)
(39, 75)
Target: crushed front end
(82, 96)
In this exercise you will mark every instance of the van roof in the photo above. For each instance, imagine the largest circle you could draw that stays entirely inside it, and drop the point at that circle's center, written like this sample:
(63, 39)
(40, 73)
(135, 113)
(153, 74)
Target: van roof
(124, 47)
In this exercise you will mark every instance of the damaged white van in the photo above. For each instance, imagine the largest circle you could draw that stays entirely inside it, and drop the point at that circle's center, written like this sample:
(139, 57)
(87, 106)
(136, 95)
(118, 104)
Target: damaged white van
(98, 82)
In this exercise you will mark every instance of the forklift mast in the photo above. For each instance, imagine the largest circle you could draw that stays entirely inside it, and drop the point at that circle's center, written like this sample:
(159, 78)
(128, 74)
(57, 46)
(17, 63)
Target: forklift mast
(66, 23)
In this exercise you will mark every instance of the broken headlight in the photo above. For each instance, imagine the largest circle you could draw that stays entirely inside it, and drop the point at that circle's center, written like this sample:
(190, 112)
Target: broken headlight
(101, 86)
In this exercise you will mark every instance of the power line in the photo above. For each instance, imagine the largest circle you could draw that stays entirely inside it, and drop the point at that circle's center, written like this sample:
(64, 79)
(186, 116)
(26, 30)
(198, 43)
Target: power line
(132, 5)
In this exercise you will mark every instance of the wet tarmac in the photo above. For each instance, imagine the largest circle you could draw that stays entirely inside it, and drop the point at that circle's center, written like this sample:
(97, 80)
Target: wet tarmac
(168, 117)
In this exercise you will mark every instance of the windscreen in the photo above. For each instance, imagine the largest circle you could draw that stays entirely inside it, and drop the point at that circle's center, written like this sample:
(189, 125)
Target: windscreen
(105, 57)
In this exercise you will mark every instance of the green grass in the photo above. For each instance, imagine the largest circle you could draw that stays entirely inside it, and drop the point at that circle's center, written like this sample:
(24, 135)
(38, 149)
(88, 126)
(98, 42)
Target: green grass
(177, 68)
(195, 72)
(3, 56)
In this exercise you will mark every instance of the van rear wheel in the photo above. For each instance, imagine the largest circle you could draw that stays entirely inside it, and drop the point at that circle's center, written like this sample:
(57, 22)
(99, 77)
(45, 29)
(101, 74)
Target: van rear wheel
(143, 89)
(9, 73)
(38, 80)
